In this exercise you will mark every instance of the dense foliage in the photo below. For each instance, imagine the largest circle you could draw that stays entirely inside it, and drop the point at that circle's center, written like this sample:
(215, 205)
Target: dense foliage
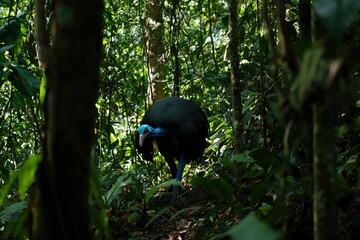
(265, 190)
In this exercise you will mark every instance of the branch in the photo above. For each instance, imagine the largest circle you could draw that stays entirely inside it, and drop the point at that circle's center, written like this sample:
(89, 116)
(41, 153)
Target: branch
(42, 37)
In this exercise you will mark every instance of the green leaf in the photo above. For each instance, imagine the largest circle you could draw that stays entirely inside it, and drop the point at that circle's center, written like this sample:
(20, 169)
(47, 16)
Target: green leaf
(12, 212)
(341, 186)
(5, 3)
(24, 81)
(250, 228)
(115, 190)
(154, 189)
(311, 74)
(5, 190)
(6, 48)
(43, 89)
(218, 187)
(27, 174)
(10, 31)
(258, 191)
(337, 15)
(156, 216)
(279, 115)
(265, 159)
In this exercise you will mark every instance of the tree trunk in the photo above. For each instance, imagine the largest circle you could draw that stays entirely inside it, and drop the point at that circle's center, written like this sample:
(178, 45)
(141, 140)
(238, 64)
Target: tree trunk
(42, 36)
(305, 21)
(175, 25)
(324, 143)
(235, 77)
(59, 202)
(324, 202)
(286, 51)
(155, 50)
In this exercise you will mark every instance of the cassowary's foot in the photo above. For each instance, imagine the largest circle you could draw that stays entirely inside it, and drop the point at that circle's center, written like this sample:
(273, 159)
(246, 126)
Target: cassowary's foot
(176, 193)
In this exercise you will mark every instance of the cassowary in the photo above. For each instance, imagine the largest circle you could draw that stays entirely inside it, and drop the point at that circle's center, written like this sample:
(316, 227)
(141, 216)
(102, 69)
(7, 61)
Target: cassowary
(179, 128)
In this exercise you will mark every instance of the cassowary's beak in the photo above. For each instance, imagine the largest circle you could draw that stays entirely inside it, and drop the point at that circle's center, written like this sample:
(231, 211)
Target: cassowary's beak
(142, 138)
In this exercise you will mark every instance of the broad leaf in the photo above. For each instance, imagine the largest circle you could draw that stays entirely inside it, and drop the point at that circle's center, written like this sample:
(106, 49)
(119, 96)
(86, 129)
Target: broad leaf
(27, 174)
(156, 216)
(5, 190)
(24, 81)
(6, 48)
(5, 3)
(154, 189)
(266, 159)
(12, 212)
(250, 228)
(337, 15)
(310, 77)
(218, 187)
(10, 31)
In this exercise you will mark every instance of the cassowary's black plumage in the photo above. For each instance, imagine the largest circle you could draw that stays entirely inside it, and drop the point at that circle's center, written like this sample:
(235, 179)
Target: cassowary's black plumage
(179, 127)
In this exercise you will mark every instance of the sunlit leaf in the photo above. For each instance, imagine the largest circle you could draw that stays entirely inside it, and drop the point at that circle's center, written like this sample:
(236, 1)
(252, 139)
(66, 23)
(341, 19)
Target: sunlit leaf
(42, 89)
(5, 190)
(27, 174)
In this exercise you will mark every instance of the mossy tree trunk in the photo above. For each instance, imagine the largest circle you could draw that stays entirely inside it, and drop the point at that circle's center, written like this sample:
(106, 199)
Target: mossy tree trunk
(155, 50)
(324, 138)
(59, 203)
(235, 76)
(324, 147)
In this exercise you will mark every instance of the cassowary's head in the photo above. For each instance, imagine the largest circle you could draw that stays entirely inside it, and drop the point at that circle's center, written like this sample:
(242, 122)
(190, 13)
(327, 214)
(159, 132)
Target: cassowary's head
(144, 131)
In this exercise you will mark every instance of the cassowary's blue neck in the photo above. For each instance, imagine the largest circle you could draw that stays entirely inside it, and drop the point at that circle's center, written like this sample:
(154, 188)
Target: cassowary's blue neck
(147, 130)
(158, 132)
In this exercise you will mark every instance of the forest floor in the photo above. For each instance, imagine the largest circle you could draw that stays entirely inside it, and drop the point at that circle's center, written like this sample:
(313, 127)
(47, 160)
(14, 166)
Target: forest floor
(187, 219)
(198, 215)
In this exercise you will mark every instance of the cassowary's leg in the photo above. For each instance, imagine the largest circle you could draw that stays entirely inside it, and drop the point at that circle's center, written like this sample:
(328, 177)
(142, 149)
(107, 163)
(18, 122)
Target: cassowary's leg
(170, 161)
(179, 173)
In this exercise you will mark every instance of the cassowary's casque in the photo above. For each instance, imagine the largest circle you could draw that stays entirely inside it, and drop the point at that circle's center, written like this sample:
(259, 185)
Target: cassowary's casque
(179, 128)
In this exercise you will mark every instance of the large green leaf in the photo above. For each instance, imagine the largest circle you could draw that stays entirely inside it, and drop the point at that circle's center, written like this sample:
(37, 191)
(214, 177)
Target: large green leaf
(10, 31)
(12, 212)
(337, 15)
(266, 159)
(251, 228)
(116, 189)
(311, 76)
(218, 187)
(258, 191)
(6, 189)
(154, 189)
(24, 81)
(27, 174)
(6, 48)
(156, 216)
(5, 3)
